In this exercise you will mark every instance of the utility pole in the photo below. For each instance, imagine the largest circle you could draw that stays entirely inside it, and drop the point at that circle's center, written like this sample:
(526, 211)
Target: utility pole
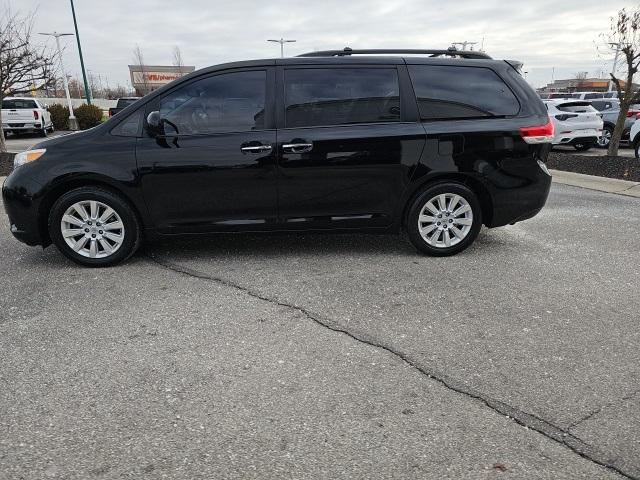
(615, 64)
(73, 123)
(464, 44)
(282, 41)
(84, 74)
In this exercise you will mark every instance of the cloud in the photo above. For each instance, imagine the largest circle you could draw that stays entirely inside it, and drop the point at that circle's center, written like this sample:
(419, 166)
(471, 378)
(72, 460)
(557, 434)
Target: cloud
(544, 34)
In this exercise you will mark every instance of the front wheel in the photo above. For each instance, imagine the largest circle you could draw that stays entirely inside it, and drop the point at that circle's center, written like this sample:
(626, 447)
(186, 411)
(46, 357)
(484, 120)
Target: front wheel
(94, 227)
(444, 219)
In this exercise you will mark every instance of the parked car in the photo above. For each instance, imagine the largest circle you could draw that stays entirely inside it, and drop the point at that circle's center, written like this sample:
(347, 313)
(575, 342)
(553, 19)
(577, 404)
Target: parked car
(634, 135)
(121, 104)
(575, 123)
(25, 115)
(559, 95)
(610, 109)
(435, 145)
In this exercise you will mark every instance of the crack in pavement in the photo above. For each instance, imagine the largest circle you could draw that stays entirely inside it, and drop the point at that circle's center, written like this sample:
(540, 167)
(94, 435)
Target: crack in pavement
(527, 420)
(596, 411)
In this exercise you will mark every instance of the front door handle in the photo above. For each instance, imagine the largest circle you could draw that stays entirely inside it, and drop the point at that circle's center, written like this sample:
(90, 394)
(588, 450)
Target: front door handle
(256, 149)
(297, 147)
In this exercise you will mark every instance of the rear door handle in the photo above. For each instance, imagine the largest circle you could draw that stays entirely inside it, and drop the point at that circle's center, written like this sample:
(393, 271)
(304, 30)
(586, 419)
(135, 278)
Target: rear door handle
(256, 149)
(297, 147)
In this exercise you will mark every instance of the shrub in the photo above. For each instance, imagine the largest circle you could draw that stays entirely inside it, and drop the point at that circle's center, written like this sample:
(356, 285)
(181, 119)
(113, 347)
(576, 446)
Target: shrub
(59, 116)
(88, 116)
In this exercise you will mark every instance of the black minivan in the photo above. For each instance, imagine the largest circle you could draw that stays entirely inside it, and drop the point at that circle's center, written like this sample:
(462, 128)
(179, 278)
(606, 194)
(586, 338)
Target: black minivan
(436, 144)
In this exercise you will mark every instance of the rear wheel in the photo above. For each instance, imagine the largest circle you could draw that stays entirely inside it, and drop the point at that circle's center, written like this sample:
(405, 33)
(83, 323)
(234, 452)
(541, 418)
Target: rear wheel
(94, 227)
(605, 138)
(43, 132)
(444, 219)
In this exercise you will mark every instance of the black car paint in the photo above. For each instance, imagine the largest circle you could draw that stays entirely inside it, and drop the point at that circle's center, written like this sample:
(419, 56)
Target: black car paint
(357, 176)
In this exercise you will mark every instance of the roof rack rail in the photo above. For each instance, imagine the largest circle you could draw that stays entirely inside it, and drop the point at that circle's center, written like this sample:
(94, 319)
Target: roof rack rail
(449, 52)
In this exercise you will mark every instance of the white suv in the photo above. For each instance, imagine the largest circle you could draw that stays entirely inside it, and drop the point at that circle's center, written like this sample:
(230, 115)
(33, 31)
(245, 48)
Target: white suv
(24, 115)
(575, 122)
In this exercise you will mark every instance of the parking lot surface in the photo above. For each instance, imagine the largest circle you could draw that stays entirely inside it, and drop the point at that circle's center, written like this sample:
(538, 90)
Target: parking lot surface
(342, 356)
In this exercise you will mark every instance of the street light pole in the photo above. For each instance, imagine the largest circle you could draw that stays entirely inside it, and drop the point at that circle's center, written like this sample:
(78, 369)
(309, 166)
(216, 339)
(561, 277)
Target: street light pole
(615, 64)
(282, 41)
(73, 123)
(84, 74)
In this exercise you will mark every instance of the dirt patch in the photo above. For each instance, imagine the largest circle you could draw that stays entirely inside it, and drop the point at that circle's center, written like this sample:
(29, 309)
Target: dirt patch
(624, 168)
(6, 163)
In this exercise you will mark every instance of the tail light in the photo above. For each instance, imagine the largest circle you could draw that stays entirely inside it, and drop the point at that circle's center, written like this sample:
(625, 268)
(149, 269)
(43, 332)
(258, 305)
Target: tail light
(637, 116)
(538, 133)
(36, 116)
(565, 116)
(632, 113)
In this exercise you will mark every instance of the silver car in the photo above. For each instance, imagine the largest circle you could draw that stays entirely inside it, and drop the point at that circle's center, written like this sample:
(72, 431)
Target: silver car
(609, 110)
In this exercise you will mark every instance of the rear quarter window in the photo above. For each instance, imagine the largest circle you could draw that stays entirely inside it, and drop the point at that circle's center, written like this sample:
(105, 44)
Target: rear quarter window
(452, 92)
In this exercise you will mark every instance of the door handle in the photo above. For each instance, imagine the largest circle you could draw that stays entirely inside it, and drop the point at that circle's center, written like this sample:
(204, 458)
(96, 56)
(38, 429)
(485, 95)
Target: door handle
(297, 147)
(256, 149)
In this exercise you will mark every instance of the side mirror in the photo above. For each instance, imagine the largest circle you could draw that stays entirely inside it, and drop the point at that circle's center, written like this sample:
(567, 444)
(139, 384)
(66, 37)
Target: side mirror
(45, 106)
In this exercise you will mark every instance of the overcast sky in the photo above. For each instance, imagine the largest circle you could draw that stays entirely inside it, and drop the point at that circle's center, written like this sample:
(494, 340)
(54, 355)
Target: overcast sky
(542, 33)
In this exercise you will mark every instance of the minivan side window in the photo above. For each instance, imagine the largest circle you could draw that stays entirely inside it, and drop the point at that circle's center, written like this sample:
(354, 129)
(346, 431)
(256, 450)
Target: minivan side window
(341, 96)
(452, 92)
(228, 102)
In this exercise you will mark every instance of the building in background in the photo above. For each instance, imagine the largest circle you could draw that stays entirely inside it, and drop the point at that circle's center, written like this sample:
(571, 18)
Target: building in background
(147, 78)
(572, 85)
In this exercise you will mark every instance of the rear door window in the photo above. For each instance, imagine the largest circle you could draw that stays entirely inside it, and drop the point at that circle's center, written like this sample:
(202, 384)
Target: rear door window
(341, 96)
(452, 92)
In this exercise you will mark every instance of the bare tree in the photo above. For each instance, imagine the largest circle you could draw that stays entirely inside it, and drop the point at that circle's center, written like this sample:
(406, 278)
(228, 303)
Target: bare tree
(581, 75)
(177, 58)
(624, 34)
(138, 59)
(24, 66)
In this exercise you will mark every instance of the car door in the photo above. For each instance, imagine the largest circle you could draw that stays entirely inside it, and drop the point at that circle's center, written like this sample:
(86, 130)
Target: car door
(209, 165)
(345, 147)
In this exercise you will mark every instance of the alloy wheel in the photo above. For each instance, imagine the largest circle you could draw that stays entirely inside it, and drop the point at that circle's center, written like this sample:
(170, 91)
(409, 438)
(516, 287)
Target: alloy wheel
(445, 220)
(92, 229)
(603, 141)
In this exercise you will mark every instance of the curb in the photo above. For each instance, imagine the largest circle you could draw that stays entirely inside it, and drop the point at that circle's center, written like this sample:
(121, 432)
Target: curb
(601, 184)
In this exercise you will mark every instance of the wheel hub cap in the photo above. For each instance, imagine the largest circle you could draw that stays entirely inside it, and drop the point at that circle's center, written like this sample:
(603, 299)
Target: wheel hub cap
(445, 220)
(92, 229)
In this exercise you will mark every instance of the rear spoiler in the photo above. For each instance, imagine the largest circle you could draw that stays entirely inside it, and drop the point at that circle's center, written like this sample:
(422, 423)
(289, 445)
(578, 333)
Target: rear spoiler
(516, 64)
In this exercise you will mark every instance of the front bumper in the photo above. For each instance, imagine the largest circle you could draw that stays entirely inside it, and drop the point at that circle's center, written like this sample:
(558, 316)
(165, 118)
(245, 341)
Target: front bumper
(21, 201)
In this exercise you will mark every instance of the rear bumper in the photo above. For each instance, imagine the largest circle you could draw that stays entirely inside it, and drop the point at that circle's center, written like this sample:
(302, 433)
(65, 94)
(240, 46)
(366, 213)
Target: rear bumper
(519, 190)
(23, 128)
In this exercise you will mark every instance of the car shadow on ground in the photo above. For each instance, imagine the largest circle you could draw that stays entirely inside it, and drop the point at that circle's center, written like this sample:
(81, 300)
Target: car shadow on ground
(254, 246)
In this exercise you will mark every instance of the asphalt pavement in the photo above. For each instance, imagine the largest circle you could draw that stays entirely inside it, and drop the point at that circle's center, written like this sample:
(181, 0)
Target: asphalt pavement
(331, 356)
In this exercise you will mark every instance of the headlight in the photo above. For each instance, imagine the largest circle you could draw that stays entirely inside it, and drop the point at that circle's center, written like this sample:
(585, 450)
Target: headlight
(28, 156)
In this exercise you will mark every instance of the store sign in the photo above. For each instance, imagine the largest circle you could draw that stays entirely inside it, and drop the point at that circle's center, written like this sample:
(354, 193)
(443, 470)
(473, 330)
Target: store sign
(154, 78)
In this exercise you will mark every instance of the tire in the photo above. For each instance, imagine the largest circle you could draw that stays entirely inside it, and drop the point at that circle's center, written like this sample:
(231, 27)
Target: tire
(603, 141)
(636, 148)
(423, 235)
(582, 147)
(43, 132)
(104, 231)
